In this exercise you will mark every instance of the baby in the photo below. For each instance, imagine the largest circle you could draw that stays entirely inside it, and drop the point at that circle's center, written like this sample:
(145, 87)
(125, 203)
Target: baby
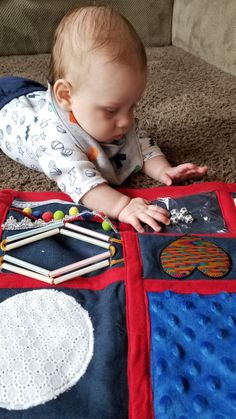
(80, 131)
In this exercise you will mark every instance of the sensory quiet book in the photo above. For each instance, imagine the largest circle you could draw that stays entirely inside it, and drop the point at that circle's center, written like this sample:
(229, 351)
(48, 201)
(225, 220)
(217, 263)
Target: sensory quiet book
(98, 321)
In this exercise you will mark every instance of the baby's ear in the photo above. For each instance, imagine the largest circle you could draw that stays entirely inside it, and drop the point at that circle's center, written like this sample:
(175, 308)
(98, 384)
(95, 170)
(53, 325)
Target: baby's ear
(62, 93)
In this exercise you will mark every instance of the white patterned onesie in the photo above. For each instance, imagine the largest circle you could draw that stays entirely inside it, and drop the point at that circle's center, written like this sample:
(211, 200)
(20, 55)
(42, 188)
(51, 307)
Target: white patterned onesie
(35, 132)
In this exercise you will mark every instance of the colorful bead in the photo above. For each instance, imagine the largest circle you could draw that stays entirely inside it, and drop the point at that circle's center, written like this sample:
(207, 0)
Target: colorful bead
(37, 213)
(73, 211)
(86, 216)
(106, 225)
(27, 210)
(58, 215)
(47, 216)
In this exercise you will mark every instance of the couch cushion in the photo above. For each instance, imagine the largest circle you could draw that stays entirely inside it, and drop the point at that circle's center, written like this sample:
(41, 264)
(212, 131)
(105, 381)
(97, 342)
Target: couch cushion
(27, 26)
(207, 28)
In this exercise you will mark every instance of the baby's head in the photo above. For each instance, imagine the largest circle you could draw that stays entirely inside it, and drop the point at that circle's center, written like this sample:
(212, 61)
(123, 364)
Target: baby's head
(98, 70)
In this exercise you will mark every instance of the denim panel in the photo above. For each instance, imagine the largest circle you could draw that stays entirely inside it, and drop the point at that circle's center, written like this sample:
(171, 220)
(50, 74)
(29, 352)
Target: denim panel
(151, 247)
(102, 392)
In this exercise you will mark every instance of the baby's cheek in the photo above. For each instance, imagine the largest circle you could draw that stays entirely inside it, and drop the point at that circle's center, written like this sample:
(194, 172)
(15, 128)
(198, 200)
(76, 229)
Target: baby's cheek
(105, 127)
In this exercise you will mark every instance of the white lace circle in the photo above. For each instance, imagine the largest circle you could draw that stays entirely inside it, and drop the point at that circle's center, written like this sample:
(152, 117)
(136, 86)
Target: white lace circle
(46, 344)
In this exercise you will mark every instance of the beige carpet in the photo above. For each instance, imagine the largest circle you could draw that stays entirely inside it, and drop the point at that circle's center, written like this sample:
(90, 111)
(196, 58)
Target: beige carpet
(189, 106)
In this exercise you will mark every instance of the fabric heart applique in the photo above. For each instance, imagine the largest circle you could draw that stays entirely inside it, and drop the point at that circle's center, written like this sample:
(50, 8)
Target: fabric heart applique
(180, 258)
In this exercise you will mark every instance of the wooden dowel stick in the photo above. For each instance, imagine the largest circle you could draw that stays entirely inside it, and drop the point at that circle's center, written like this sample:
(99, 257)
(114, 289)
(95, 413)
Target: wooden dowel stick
(82, 271)
(76, 265)
(25, 265)
(87, 239)
(25, 272)
(87, 231)
(32, 239)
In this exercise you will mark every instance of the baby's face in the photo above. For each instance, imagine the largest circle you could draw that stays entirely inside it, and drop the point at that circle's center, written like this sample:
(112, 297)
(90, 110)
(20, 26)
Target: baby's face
(105, 101)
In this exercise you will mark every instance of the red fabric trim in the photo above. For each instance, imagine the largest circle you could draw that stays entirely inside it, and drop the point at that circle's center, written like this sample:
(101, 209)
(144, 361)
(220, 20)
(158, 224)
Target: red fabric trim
(33, 196)
(227, 207)
(140, 398)
(231, 187)
(12, 280)
(220, 235)
(125, 227)
(211, 286)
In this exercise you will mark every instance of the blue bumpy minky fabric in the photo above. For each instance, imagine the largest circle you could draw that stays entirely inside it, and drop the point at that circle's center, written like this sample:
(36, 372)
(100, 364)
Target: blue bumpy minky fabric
(193, 355)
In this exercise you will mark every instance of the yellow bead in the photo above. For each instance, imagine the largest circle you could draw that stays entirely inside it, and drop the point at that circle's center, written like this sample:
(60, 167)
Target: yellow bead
(73, 211)
(27, 210)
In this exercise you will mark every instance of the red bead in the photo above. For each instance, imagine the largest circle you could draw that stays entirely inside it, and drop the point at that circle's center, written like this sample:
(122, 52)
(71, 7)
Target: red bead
(47, 216)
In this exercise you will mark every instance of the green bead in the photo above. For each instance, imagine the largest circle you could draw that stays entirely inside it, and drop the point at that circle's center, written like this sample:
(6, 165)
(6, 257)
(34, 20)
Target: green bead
(106, 225)
(58, 215)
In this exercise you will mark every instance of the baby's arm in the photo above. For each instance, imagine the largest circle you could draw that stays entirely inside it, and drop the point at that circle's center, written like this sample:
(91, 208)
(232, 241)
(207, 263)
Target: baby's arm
(159, 168)
(119, 206)
(156, 165)
(95, 193)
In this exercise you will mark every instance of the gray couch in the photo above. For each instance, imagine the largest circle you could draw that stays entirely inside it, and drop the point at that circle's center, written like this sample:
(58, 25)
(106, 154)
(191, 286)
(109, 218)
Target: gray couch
(189, 104)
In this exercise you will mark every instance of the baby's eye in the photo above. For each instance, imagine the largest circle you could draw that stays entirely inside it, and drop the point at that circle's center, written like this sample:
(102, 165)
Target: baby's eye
(111, 110)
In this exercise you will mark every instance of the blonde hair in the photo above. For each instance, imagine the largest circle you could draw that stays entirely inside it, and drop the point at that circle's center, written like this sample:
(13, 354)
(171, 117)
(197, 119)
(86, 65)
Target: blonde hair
(88, 29)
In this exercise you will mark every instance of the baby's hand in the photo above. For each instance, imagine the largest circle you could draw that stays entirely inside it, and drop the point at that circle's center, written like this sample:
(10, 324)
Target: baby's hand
(182, 172)
(139, 210)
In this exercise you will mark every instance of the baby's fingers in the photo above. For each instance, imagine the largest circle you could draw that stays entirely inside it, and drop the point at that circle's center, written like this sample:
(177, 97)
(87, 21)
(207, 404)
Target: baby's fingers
(135, 221)
(200, 170)
(159, 213)
(152, 216)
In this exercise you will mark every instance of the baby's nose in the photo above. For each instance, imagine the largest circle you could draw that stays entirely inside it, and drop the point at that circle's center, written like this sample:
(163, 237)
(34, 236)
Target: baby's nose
(125, 121)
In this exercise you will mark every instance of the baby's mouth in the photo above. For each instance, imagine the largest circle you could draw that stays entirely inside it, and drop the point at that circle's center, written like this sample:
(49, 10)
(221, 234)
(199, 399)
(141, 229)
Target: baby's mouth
(118, 137)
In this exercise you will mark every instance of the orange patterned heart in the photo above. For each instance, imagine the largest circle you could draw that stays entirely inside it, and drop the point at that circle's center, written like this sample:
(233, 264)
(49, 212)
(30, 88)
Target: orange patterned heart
(180, 258)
